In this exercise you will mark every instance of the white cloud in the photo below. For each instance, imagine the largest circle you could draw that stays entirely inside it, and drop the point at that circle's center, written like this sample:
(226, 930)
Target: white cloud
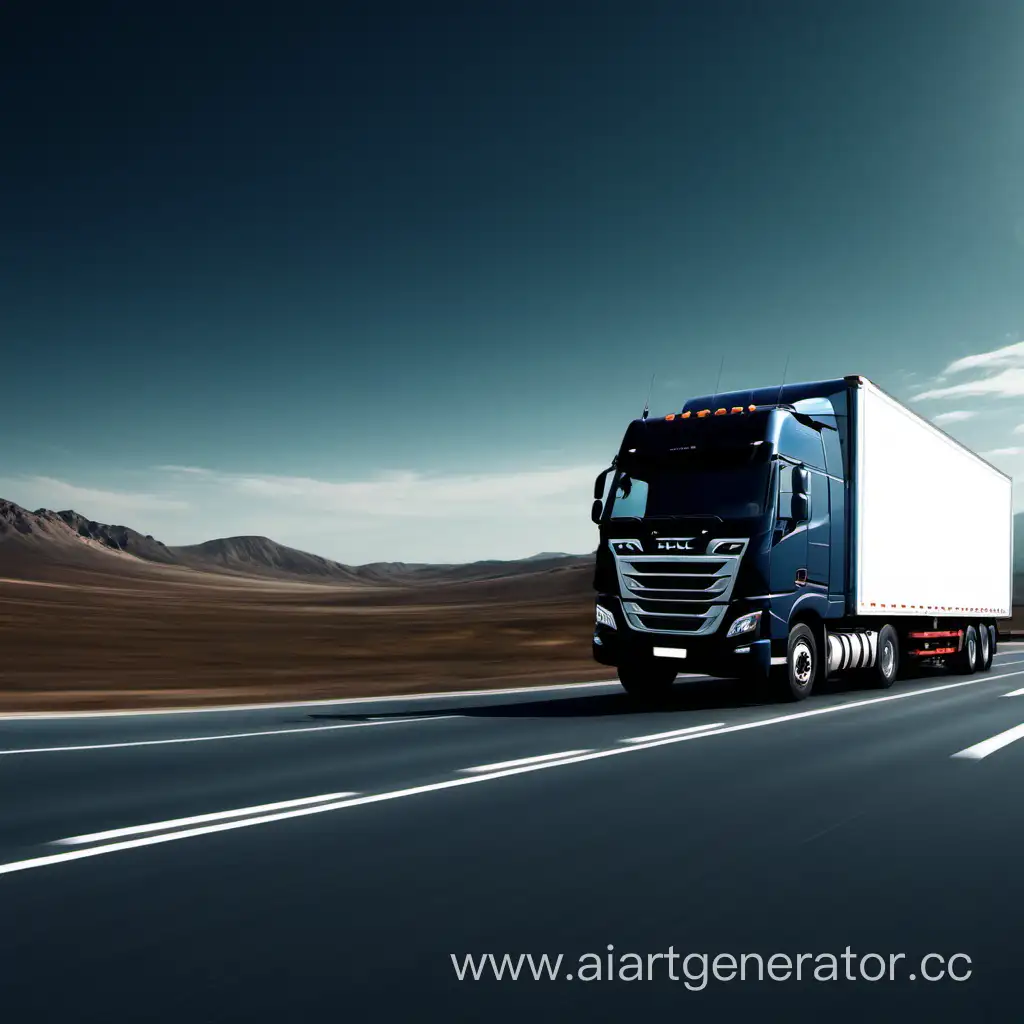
(1002, 375)
(48, 492)
(409, 516)
(414, 495)
(192, 470)
(956, 416)
(400, 516)
(1008, 355)
(1008, 383)
(1019, 429)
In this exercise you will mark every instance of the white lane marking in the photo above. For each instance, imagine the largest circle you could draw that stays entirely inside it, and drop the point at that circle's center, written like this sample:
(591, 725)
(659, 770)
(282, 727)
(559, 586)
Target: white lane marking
(224, 736)
(13, 716)
(1016, 661)
(499, 765)
(991, 745)
(1015, 693)
(673, 732)
(469, 780)
(197, 819)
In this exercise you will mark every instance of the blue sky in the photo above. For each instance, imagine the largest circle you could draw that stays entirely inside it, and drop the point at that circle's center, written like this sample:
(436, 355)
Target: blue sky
(386, 281)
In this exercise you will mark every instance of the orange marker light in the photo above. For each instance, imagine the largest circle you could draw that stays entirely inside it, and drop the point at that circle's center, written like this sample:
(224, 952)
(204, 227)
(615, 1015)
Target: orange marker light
(719, 412)
(671, 416)
(751, 408)
(736, 408)
(701, 413)
(684, 415)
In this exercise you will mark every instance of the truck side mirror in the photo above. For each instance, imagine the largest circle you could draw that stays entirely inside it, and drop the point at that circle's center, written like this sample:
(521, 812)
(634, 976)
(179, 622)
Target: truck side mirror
(801, 507)
(599, 485)
(801, 481)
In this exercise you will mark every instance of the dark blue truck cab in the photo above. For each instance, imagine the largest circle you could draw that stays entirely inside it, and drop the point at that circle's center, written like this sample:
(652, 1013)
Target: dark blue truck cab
(727, 548)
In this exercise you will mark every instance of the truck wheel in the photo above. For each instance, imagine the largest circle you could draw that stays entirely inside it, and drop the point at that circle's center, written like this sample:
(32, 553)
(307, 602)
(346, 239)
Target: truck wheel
(795, 680)
(647, 680)
(984, 648)
(887, 658)
(967, 660)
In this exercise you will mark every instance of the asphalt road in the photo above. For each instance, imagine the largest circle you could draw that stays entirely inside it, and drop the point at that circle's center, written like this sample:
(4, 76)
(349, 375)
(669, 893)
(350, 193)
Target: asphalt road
(371, 841)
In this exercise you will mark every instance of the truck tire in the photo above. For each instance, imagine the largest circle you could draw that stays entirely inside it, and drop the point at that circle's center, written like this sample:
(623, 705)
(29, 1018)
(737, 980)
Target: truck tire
(886, 669)
(647, 681)
(985, 651)
(795, 680)
(966, 661)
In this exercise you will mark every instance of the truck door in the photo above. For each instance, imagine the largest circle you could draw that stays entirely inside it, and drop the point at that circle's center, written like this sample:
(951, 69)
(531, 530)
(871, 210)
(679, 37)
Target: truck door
(802, 546)
(789, 541)
(818, 529)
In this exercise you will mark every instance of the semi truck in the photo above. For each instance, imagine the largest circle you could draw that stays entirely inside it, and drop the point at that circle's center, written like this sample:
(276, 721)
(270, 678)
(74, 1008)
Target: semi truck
(783, 534)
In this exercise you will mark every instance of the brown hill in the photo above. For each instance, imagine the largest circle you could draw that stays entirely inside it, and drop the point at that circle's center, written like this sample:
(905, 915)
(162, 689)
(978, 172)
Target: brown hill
(116, 538)
(44, 537)
(21, 526)
(468, 572)
(50, 546)
(259, 556)
(31, 541)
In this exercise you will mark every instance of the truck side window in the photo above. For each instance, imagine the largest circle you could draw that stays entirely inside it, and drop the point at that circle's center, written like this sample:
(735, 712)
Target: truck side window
(801, 444)
(833, 452)
(785, 490)
(630, 497)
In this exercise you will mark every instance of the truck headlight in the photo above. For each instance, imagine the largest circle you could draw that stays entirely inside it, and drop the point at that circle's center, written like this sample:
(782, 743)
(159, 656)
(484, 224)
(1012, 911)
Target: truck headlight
(744, 624)
(727, 547)
(605, 617)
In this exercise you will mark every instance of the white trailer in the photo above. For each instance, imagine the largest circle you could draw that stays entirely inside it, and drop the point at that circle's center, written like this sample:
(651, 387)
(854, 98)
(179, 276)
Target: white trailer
(933, 521)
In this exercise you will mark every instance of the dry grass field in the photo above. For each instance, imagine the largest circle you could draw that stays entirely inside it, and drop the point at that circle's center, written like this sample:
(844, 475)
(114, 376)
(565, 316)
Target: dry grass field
(72, 638)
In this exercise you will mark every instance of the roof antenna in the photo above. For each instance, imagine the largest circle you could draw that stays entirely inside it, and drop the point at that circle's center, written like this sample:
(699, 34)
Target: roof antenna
(718, 381)
(647, 404)
(785, 369)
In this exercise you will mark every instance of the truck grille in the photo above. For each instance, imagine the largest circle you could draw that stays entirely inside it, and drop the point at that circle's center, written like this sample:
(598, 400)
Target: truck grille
(675, 593)
(675, 624)
(663, 566)
(671, 607)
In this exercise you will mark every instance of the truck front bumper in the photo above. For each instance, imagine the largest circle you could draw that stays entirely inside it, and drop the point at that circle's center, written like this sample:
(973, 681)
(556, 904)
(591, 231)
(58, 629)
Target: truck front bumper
(733, 657)
(702, 655)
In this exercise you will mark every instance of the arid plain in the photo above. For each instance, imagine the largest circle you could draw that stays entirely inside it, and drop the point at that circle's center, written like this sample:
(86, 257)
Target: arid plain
(85, 623)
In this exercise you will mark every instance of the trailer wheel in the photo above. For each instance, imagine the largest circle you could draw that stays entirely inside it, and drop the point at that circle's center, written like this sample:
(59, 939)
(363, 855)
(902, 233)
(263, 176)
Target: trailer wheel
(985, 652)
(993, 633)
(647, 681)
(887, 658)
(966, 661)
(795, 679)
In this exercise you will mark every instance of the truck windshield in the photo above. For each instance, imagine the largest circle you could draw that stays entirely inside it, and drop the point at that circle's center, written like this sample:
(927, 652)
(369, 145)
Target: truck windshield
(727, 482)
